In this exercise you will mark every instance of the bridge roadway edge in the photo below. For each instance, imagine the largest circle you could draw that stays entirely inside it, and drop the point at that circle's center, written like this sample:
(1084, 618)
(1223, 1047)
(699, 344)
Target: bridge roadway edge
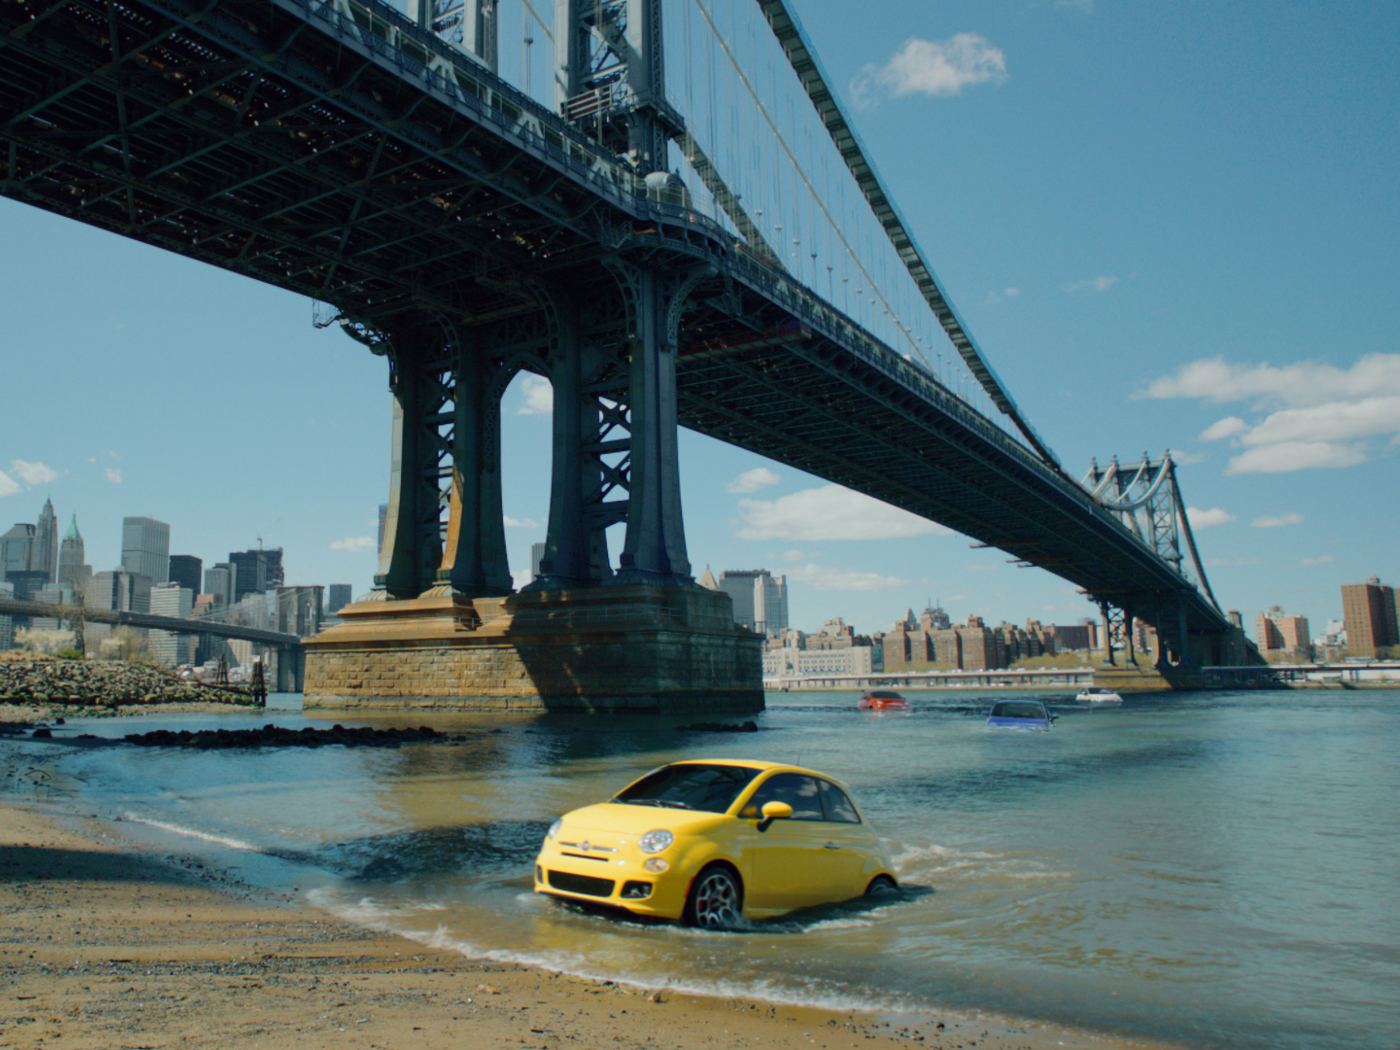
(625, 648)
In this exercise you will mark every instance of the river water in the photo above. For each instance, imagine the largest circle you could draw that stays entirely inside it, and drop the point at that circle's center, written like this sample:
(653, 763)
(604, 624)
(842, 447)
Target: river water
(1221, 869)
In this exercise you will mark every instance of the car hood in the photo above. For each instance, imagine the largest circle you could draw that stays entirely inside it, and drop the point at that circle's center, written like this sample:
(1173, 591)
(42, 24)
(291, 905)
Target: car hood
(623, 819)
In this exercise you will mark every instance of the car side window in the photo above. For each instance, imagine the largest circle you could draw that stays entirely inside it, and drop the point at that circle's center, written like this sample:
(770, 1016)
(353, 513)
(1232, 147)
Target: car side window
(839, 808)
(801, 792)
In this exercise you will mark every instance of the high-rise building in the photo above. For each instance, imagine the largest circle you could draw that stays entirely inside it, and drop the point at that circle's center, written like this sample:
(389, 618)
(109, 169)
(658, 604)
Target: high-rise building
(338, 596)
(219, 581)
(1280, 635)
(146, 548)
(111, 590)
(169, 647)
(298, 611)
(185, 570)
(255, 571)
(72, 569)
(17, 550)
(1369, 611)
(46, 543)
(760, 598)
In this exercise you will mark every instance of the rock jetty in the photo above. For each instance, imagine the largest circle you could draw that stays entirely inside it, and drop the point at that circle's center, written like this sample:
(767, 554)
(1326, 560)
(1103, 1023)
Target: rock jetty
(30, 680)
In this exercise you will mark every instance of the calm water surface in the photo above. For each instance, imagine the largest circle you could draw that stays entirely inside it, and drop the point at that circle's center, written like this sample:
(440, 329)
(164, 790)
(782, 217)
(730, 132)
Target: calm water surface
(1211, 867)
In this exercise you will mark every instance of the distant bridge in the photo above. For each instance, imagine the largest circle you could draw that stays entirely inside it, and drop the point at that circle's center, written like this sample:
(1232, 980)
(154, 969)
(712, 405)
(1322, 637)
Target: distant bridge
(173, 624)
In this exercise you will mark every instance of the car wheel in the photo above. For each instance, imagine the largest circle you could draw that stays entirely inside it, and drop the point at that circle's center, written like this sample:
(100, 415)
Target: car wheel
(716, 901)
(881, 886)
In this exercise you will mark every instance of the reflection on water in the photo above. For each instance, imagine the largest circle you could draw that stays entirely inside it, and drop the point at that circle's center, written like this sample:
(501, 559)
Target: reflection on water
(1197, 866)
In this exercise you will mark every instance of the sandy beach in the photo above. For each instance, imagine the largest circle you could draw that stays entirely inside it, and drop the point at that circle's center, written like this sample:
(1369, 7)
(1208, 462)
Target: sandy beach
(107, 945)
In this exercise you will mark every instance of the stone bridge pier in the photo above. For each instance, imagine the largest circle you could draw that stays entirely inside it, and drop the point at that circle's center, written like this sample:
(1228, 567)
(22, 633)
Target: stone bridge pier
(444, 626)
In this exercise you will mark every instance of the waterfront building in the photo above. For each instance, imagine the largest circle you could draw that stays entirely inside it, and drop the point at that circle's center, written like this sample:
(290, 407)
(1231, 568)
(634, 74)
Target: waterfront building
(46, 543)
(170, 648)
(255, 572)
(1282, 637)
(146, 549)
(1369, 611)
(72, 569)
(17, 550)
(185, 569)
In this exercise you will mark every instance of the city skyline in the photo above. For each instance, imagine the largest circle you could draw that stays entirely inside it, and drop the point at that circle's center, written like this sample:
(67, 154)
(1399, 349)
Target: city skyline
(1209, 269)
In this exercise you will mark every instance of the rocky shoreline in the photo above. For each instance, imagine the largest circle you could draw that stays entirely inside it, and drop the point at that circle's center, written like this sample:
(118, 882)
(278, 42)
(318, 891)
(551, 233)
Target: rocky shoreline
(103, 686)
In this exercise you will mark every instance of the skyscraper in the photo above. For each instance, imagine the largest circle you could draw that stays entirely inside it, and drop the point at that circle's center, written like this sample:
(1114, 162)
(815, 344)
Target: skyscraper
(219, 581)
(255, 571)
(146, 548)
(170, 599)
(185, 570)
(71, 556)
(16, 550)
(760, 598)
(46, 543)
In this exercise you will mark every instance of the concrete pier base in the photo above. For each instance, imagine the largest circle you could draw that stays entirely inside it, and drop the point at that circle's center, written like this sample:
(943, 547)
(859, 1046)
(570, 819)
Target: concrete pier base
(618, 648)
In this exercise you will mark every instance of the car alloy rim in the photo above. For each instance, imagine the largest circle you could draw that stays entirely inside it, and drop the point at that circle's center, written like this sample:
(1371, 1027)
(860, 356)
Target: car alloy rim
(717, 900)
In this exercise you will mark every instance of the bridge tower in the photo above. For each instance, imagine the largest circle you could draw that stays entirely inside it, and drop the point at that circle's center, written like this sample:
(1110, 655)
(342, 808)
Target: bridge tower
(445, 625)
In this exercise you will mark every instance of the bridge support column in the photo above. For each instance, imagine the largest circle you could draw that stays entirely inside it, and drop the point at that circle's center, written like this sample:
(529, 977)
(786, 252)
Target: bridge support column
(655, 551)
(474, 560)
(576, 553)
(412, 548)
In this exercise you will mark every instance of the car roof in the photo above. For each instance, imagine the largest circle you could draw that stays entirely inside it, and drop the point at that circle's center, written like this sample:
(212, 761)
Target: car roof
(750, 763)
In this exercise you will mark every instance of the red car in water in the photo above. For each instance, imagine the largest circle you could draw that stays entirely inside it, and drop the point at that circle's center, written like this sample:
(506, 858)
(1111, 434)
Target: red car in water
(882, 700)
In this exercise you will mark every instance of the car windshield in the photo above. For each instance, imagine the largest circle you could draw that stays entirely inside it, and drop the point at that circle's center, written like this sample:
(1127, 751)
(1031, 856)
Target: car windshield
(1017, 709)
(708, 788)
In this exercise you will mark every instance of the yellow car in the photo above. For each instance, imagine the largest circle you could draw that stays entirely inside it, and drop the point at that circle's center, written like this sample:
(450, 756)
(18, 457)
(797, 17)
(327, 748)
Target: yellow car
(715, 842)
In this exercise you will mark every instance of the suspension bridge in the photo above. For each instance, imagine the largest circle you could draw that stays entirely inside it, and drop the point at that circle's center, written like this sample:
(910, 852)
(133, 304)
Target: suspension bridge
(670, 218)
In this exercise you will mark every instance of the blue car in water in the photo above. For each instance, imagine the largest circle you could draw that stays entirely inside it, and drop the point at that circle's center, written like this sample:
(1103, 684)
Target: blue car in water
(1019, 714)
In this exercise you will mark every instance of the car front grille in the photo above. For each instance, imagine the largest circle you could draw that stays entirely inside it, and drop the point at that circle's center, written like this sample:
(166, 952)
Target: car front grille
(587, 885)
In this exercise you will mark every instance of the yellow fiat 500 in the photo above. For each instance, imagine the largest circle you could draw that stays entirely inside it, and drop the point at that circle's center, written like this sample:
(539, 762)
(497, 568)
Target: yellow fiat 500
(713, 842)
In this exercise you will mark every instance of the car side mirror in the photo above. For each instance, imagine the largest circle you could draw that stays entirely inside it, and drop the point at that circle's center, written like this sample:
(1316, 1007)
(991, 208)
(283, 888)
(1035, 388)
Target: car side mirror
(772, 811)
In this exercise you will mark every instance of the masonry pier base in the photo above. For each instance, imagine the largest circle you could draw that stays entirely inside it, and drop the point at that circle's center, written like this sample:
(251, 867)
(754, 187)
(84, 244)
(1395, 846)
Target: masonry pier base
(633, 648)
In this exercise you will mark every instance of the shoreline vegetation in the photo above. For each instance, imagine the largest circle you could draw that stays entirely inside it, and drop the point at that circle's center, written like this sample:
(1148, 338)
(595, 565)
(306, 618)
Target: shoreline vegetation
(107, 943)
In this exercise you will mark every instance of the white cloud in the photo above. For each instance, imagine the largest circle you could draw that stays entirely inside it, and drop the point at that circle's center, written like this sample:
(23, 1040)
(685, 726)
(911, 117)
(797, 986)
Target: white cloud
(821, 578)
(114, 475)
(1003, 295)
(934, 67)
(1292, 386)
(8, 485)
(1227, 427)
(1092, 284)
(1274, 521)
(33, 473)
(354, 544)
(520, 523)
(1202, 519)
(752, 480)
(795, 555)
(1314, 415)
(830, 512)
(1295, 455)
(537, 396)
(1323, 560)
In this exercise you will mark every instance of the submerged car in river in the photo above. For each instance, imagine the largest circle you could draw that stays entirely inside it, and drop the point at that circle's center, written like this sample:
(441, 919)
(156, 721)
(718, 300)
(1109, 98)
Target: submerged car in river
(714, 842)
(1019, 714)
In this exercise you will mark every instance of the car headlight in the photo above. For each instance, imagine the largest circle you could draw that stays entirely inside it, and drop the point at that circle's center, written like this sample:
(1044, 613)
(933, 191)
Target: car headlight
(656, 841)
(554, 828)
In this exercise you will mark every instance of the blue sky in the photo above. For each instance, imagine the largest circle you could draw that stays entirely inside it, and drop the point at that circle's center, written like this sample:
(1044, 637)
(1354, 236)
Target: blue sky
(1167, 225)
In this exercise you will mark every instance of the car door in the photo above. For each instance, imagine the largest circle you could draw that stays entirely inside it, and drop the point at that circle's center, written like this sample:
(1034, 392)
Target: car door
(847, 844)
(789, 862)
